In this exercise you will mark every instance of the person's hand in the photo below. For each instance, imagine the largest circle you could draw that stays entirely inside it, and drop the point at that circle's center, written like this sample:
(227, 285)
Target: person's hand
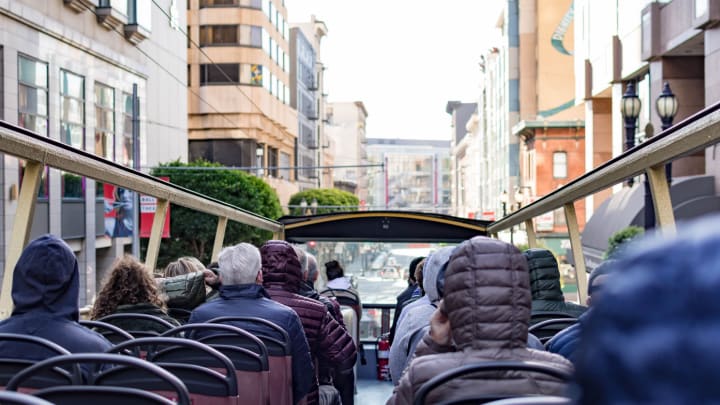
(440, 331)
(211, 278)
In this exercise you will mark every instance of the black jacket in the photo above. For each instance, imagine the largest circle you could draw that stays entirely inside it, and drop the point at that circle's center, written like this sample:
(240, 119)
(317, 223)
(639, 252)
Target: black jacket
(547, 295)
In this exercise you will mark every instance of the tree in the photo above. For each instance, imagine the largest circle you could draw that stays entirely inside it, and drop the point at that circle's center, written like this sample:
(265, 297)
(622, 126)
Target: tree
(192, 232)
(619, 240)
(328, 200)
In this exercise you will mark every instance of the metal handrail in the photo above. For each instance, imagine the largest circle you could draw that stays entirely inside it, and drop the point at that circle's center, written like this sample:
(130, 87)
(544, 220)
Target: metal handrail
(693, 133)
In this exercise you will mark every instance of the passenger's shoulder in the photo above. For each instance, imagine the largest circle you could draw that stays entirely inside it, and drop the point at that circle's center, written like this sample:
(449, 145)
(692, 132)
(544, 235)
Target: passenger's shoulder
(551, 358)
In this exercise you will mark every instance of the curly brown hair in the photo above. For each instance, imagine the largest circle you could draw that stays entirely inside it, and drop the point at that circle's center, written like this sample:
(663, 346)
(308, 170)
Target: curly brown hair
(129, 282)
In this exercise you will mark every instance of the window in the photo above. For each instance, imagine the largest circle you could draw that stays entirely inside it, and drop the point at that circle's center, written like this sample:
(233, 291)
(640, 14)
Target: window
(231, 3)
(2, 94)
(218, 35)
(220, 73)
(126, 149)
(272, 162)
(72, 109)
(33, 95)
(104, 121)
(559, 165)
(284, 164)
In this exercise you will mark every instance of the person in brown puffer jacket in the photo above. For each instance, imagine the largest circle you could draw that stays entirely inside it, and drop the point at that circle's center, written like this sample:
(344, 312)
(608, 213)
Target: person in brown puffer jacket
(330, 344)
(485, 312)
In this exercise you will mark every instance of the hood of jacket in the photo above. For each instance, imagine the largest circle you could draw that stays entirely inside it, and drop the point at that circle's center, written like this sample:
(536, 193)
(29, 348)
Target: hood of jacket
(434, 263)
(544, 275)
(487, 295)
(46, 279)
(280, 266)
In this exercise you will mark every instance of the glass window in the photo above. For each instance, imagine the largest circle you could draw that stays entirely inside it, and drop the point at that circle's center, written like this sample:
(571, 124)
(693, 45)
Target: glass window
(250, 35)
(256, 75)
(559, 165)
(218, 35)
(33, 95)
(284, 164)
(140, 13)
(219, 73)
(126, 149)
(72, 109)
(272, 162)
(231, 3)
(104, 121)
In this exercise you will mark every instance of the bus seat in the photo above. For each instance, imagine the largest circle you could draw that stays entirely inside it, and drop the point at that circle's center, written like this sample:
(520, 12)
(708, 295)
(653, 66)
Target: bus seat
(545, 330)
(90, 391)
(193, 362)
(126, 320)
(111, 332)
(17, 398)
(277, 342)
(533, 400)
(9, 367)
(248, 354)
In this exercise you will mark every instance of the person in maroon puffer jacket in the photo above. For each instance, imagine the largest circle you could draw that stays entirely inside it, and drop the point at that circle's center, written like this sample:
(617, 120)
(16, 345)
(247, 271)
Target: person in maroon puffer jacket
(330, 344)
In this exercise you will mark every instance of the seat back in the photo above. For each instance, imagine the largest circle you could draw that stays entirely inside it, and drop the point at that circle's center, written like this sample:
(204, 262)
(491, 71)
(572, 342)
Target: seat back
(74, 394)
(195, 363)
(152, 372)
(111, 332)
(533, 400)
(545, 330)
(247, 352)
(506, 365)
(539, 316)
(128, 321)
(279, 354)
(180, 314)
(17, 398)
(345, 297)
(9, 367)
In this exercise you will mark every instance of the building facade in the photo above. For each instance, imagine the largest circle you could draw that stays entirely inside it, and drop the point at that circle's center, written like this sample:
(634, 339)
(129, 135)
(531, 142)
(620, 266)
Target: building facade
(307, 97)
(68, 70)
(239, 88)
(409, 174)
(345, 127)
(465, 162)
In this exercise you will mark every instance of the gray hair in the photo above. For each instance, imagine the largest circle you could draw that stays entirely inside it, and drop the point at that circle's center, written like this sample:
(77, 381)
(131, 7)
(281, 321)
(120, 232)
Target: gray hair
(239, 264)
(303, 260)
(312, 267)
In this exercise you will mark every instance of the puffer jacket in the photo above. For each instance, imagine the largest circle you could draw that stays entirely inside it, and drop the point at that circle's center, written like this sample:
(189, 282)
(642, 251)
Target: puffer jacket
(330, 344)
(547, 295)
(332, 305)
(418, 316)
(487, 301)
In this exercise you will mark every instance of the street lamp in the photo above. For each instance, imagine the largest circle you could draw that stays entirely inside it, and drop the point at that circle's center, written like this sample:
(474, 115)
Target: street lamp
(303, 206)
(630, 108)
(314, 206)
(504, 201)
(667, 107)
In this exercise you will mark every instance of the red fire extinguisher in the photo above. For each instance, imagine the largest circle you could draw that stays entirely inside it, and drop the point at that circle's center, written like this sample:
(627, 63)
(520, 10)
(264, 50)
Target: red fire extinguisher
(383, 358)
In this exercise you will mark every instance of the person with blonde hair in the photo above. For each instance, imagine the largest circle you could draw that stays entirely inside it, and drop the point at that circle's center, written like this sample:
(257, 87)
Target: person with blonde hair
(130, 288)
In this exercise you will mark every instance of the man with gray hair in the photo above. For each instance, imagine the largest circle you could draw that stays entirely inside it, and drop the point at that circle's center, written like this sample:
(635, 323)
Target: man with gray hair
(242, 294)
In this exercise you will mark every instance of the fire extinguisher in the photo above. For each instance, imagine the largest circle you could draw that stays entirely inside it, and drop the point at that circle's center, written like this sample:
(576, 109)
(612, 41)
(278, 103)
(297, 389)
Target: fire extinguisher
(382, 355)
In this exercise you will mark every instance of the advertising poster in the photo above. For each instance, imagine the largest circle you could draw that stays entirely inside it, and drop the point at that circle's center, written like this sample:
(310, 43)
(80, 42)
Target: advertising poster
(119, 204)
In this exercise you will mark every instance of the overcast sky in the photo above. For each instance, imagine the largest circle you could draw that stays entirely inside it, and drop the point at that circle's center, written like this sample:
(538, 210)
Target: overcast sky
(404, 59)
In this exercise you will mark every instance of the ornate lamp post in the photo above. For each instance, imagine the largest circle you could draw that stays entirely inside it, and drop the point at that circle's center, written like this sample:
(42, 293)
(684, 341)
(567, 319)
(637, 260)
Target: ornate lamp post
(667, 107)
(630, 109)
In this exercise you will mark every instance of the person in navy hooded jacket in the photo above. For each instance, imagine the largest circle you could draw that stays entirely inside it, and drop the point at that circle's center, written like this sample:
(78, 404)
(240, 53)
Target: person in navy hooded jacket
(45, 292)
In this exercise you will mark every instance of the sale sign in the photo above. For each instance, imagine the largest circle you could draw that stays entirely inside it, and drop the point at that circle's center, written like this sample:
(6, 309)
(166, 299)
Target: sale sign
(148, 206)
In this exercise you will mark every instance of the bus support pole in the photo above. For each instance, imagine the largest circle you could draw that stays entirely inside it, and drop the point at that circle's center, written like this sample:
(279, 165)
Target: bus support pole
(576, 244)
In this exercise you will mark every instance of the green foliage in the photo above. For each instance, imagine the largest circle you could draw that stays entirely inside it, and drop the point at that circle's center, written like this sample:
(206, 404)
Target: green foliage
(620, 238)
(192, 232)
(72, 185)
(338, 200)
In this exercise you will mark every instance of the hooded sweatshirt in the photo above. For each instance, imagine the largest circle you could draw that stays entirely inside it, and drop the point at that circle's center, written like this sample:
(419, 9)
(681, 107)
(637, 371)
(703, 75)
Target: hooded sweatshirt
(547, 295)
(487, 302)
(330, 344)
(45, 293)
(417, 314)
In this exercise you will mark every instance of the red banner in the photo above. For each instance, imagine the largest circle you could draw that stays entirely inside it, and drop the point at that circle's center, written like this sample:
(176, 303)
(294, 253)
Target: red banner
(148, 205)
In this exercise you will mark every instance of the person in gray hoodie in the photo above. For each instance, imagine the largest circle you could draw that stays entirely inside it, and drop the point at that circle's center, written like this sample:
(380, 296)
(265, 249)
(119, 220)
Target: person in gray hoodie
(417, 315)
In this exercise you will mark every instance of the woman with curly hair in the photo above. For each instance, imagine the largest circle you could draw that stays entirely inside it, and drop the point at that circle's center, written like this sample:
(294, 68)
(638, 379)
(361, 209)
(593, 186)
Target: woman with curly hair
(130, 288)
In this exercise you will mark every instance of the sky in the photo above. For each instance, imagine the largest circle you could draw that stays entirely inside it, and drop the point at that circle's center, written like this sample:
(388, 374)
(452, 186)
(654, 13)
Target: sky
(404, 59)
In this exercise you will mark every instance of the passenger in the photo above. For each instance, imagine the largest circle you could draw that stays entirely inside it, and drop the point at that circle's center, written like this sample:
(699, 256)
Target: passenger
(565, 342)
(413, 301)
(405, 295)
(45, 293)
(339, 286)
(308, 266)
(184, 285)
(547, 295)
(330, 344)
(417, 316)
(130, 289)
(652, 334)
(242, 294)
(483, 317)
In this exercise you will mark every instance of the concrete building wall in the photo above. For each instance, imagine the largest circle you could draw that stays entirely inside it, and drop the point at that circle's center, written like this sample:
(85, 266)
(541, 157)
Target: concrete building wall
(66, 39)
(346, 127)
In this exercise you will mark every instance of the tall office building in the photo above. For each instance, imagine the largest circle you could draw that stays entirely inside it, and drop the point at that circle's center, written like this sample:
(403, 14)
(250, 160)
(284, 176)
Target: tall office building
(68, 68)
(346, 130)
(241, 70)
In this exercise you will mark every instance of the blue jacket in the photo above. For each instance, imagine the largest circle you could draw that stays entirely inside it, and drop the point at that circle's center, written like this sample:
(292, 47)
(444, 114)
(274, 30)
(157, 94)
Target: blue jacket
(253, 300)
(652, 335)
(45, 293)
(566, 341)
